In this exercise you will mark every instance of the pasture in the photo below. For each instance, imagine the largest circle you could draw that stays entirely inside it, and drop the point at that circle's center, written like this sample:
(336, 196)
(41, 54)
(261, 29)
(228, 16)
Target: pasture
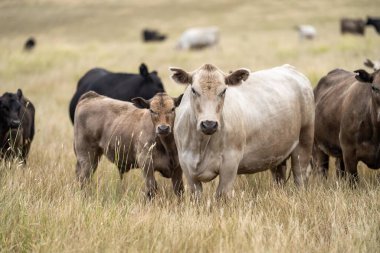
(43, 209)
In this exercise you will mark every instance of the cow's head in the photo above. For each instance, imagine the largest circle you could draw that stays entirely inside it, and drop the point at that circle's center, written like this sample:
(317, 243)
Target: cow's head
(151, 79)
(10, 109)
(374, 81)
(162, 110)
(208, 86)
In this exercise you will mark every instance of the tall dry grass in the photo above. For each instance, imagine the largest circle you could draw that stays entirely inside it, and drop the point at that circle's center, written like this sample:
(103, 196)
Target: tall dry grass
(42, 208)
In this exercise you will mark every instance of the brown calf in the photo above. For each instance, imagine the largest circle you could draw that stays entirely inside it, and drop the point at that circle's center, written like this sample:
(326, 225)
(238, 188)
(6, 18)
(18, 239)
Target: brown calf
(128, 136)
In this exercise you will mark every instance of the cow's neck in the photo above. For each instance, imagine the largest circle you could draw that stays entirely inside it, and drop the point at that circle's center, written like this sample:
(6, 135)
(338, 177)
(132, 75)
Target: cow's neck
(168, 144)
(374, 121)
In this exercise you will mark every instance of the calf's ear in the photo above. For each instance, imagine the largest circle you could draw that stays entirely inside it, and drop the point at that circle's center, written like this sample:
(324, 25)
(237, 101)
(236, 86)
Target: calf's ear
(180, 76)
(177, 101)
(19, 93)
(139, 102)
(236, 77)
(363, 76)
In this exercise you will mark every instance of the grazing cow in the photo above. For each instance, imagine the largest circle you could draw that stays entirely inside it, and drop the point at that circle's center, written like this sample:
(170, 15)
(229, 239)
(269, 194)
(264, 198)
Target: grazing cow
(375, 22)
(128, 136)
(243, 122)
(30, 44)
(198, 38)
(375, 65)
(16, 125)
(152, 35)
(121, 86)
(306, 32)
(353, 26)
(347, 121)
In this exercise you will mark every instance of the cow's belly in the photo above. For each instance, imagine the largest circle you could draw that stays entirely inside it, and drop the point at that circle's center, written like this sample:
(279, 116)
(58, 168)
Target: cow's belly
(202, 168)
(369, 154)
(260, 159)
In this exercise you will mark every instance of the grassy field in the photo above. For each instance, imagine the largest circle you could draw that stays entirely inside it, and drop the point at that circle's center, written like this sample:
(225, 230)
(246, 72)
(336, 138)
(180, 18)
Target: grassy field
(42, 208)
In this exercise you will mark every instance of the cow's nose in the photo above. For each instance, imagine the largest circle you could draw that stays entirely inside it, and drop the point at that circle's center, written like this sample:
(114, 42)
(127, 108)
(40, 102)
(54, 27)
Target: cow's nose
(14, 123)
(163, 129)
(209, 127)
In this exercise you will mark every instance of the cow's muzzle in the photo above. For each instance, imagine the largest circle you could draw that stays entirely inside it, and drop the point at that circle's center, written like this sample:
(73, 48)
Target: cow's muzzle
(209, 127)
(14, 123)
(163, 130)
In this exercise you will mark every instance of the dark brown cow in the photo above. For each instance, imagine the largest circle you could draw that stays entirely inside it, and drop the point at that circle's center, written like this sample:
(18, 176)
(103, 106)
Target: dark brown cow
(16, 125)
(128, 136)
(353, 26)
(347, 121)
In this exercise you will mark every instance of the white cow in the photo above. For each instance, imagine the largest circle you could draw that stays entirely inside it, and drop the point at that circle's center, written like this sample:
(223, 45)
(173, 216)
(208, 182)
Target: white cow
(243, 122)
(306, 32)
(197, 38)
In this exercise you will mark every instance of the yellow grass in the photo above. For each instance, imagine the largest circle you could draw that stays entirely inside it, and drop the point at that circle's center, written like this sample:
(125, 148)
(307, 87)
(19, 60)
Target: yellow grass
(42, 207)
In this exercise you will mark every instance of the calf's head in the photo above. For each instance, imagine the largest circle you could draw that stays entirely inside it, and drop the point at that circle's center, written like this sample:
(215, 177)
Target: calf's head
(162, 110)
(208, 86)
(374, 81)
(10, 110)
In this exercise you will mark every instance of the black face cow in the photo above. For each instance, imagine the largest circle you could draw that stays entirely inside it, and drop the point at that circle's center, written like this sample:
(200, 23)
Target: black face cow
(352, 26)
(375, 22)
(149, 35)
(121, 86)
(16, 125)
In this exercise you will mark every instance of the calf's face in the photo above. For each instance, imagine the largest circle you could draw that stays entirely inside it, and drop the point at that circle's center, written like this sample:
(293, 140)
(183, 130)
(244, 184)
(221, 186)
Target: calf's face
(208, 89)
(10, 109)
(162, 111)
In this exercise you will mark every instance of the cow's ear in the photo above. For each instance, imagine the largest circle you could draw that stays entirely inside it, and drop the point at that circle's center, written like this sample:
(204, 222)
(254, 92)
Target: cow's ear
(139, 102)
(368, 63)
(236, 77)
(177, 101)
(19, 93)
(154, 72)
(363, 76)
(180, 76)
(144, 71)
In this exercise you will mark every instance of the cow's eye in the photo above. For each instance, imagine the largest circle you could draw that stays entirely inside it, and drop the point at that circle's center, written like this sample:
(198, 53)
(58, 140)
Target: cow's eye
(173, 109)
(153, 112)
(222, 93)
(194, 92)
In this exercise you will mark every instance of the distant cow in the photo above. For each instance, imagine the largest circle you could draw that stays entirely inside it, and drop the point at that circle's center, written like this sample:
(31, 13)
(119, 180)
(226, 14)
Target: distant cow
(375, 22)
(16, 125)
(30, 44)
(241, 123)
(353, 26)
(375, 65)
(121, 86)
(128, 136)
(198, 38)
(306, 32)
(152, 35)
(347, 121)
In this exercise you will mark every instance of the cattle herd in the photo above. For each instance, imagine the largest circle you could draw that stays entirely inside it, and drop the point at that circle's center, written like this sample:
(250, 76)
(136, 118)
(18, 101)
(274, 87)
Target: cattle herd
(222, 125)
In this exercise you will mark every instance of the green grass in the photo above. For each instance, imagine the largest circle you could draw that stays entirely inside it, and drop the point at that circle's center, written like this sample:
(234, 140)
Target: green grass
(42, 207)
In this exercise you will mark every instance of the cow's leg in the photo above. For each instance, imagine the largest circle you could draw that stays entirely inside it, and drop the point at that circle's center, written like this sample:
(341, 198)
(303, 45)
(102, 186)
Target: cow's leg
(301, 155)
(87, 162)
(279, 173)
(228, 172)
(340, 169)
(320, 161)
(177, 182)
(194, 185)
(150, 180)
(350, 164)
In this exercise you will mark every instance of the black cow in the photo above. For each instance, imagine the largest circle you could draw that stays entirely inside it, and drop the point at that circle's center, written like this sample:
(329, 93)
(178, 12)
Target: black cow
(16, 125)
(152, 35)
(122, 86)
(353, 26)
(30, 44)
(375, 22)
